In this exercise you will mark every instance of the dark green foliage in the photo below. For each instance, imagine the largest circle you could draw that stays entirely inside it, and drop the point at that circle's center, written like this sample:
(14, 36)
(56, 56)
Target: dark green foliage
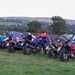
(58, 26)
(34, 26)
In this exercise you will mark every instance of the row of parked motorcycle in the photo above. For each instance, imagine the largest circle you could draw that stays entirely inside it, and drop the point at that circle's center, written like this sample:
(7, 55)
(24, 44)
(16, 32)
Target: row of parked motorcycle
(62, 46)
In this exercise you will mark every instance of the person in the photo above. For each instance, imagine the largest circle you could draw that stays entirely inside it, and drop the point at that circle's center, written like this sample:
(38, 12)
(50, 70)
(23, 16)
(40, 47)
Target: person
(66, 47)
(28, 38)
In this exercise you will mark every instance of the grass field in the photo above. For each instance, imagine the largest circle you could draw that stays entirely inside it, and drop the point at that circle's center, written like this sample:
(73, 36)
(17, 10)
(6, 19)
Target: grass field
(19, 64)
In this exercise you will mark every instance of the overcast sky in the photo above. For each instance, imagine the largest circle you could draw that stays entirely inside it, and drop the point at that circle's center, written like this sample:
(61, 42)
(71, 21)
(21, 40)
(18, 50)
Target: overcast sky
(38, 8)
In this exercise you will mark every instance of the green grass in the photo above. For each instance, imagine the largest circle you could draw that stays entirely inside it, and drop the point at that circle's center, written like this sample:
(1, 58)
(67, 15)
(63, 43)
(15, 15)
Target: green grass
(19, 64)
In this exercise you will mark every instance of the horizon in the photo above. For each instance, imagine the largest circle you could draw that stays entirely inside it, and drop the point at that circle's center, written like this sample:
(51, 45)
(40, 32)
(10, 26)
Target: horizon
(32, 17)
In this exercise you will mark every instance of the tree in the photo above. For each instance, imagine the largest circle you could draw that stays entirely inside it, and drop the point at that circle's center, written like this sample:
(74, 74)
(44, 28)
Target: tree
(34, 26)
(58, 26)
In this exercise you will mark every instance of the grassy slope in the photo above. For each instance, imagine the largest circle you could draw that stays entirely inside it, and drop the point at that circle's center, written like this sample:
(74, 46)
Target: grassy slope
(19, 64)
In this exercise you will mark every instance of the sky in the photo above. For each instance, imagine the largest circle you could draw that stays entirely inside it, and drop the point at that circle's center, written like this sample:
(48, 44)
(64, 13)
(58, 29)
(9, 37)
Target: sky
(38, 8)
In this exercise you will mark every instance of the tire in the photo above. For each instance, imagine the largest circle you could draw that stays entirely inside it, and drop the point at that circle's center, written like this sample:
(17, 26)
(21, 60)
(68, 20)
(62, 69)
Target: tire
(45, 51)
(38, 50)
(24, 50)
(50, 53)
(3, 46)
(11, 50)
(34, 51)
(27, 51)
(64, 56)
(55, 54)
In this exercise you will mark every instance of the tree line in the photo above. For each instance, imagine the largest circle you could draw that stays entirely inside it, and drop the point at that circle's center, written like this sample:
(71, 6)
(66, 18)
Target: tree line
(58, 26)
